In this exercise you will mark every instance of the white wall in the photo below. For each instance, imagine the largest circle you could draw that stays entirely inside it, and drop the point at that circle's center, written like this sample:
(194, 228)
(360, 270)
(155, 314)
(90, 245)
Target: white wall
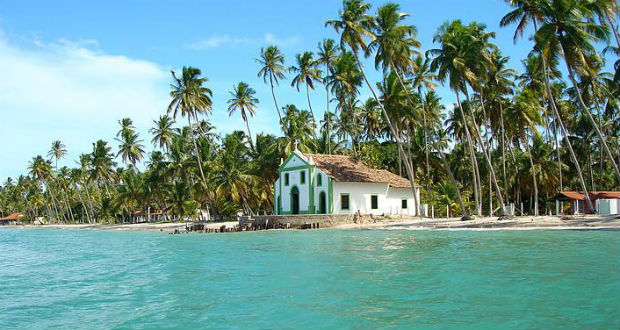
(389, 199)
(293, 180)
(317, 190)
(607, 206)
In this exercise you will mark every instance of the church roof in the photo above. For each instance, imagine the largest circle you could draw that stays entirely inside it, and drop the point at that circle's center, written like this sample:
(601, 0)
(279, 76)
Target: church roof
(348, 169)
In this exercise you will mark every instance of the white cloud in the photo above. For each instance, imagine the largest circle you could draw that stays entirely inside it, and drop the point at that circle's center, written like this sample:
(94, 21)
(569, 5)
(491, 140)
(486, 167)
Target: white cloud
(72, 92)
(216, 41)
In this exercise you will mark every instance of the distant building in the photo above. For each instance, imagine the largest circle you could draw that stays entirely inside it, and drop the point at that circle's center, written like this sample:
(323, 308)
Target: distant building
(605, 202)
(10, 219)
(332, 184)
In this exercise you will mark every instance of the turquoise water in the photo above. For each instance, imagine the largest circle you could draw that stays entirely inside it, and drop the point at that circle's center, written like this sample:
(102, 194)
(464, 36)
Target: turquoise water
(321, 279)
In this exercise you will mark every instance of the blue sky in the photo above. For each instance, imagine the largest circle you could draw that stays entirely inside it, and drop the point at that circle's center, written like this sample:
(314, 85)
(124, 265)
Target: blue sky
(72, 69)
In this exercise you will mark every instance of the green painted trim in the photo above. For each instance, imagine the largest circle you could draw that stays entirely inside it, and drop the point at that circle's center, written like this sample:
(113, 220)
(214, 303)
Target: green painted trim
(322, 192)
(291, 157)
(330, 193)
(290, 196)
(289, 169)
(275, 200)
(349, 206)
(311, 206)
(280, 196)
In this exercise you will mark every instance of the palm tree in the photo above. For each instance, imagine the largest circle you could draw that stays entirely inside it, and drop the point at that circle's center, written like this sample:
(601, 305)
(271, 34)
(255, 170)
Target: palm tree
(272, 67)
(307, 73)
(58, 151)
(327, 55)
(243, 100)
(102, 165)
(423, 78)
(40, 169)
(565, 26)
(130, 149)
(533, 11)
(354, 26)
(190, 97)
(163, 132)
(126, 125)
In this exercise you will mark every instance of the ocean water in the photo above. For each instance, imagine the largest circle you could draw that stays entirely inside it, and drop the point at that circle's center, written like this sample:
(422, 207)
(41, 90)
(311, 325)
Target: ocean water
(321, 279)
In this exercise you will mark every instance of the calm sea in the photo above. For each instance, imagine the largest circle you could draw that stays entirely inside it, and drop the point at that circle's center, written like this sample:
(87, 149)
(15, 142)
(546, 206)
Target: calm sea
(321, 279)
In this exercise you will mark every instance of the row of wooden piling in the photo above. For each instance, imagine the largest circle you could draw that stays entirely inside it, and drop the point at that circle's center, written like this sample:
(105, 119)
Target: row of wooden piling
(202, 228)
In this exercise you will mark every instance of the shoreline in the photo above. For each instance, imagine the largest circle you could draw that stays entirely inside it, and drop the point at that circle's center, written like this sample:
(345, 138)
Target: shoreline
(582, 222)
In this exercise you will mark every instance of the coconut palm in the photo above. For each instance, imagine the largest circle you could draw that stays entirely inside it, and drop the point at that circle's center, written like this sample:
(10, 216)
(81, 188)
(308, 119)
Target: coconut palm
(327, 55)
(533, 11)
(130, 148)
(272, 68)
(243, 100)
(565, 27)
(190, 98)
(354, 25)
(163, 132)
(308, 73)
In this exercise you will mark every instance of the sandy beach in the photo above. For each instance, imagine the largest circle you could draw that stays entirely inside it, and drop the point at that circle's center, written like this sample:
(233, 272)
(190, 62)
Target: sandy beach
(588, 222)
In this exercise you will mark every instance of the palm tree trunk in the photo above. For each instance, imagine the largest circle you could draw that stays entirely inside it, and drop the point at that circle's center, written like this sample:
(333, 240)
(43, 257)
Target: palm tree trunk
(401, 152)
(610, 22)
(329, 138)
(247, 125)
(311, 111)
(565, 134)
(591, 118)
(472, 155)
(202, 174)
(426, 157)
(501, 119)
(454, 183)
(529, 153)
(90, 201)
(273, 94)
(498, 192)
(84, 207)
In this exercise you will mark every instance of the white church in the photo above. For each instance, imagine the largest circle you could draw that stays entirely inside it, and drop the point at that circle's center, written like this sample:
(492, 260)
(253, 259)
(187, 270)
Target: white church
(334, 184)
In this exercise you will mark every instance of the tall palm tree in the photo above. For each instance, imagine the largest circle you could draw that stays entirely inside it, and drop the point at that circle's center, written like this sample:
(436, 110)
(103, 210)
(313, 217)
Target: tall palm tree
(533, 11)
(243, 100)
(126, 125)
(566, 27)
(190, 97)
(163, 132)
(450, 64)
(58, 151)
(272, 68)
(307, 73)
(354, 26)
(40, 169)
(327, 55)
(130, 149)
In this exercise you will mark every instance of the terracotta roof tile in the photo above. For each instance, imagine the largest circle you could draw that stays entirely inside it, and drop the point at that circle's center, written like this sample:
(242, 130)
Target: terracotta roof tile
(348, 169)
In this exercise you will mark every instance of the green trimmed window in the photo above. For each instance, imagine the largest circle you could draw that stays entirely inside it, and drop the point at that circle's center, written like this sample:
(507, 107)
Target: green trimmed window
(344, 201)
(319, 180)
(374, 202)
(286, 179)
(302, 177)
